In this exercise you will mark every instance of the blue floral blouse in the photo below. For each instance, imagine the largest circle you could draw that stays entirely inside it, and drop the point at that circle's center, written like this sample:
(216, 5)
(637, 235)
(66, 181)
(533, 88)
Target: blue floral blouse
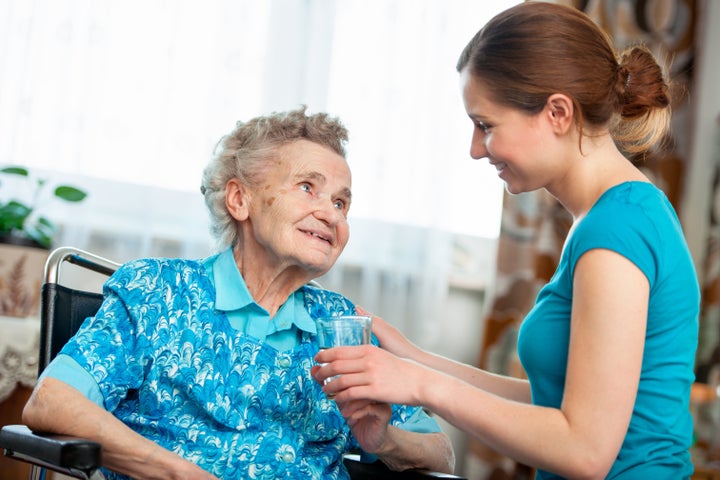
(172, 368)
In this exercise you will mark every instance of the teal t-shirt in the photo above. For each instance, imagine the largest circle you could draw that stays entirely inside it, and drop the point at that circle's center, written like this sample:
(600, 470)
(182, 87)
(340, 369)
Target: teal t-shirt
(636, 220)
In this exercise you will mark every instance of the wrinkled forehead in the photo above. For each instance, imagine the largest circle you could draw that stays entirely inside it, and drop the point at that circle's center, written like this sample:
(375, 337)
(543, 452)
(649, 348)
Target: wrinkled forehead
(312, 161)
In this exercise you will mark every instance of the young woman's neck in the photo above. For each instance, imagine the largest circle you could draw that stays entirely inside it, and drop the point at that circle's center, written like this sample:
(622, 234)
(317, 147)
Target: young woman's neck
(598, 168)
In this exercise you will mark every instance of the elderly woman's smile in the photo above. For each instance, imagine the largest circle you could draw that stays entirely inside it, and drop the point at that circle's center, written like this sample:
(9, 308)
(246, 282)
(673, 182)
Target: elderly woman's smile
(322, 236)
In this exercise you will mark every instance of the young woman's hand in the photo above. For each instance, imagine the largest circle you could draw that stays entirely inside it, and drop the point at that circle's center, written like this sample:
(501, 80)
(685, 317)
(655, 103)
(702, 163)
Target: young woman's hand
(391, 339)
(367, 372)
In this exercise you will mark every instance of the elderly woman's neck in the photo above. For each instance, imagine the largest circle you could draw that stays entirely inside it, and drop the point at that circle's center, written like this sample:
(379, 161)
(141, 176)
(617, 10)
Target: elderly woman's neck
(270, 286)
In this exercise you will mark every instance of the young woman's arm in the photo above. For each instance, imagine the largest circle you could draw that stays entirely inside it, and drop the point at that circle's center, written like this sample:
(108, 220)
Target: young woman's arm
(392, 340)
(579, 440)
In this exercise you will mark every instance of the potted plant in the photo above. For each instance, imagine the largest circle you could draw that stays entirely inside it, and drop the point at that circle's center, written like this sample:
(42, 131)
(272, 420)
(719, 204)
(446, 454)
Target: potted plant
(20, 221)
(26, 236)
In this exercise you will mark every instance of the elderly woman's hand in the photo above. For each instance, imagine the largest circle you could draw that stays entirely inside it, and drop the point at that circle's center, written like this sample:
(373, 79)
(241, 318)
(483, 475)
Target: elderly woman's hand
(368, 421)
(370, 379)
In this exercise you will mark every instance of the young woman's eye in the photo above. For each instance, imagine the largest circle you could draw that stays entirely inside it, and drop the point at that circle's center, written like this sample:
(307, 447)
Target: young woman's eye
(483, 127)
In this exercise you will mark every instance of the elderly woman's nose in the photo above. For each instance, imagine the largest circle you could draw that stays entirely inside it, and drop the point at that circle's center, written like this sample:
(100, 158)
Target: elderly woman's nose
(327, 210)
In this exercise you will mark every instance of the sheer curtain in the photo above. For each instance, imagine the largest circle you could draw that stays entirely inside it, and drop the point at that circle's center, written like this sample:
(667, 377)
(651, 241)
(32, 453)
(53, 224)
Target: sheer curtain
(128, 99)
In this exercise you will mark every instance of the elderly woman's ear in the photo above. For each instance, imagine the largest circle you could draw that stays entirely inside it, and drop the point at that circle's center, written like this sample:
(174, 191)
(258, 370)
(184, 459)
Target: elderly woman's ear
(236, 199)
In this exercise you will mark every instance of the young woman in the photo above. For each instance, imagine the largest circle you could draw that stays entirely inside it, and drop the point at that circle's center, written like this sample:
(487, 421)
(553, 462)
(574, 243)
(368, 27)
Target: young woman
(609, 346)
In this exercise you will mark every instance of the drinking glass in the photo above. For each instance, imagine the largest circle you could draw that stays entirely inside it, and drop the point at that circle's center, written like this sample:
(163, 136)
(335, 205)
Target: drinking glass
(343, 330)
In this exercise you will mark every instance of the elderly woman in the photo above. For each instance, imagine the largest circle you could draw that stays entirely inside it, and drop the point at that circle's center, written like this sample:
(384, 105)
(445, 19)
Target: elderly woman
(201, 368)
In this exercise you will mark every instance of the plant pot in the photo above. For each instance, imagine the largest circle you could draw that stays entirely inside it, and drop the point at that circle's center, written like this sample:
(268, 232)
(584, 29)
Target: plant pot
(21, 277)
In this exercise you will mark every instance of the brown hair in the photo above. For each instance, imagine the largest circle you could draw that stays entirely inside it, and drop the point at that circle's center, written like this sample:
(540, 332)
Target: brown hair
(248, 151)
(530, 51)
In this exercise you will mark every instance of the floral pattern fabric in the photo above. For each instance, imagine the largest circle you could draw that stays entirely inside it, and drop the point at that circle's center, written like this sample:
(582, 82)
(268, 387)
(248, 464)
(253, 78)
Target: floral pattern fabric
(173, 369)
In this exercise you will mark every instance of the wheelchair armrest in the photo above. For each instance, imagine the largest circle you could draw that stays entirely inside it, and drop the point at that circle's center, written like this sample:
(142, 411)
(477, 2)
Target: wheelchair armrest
(379, 471)
(71, 455)
(56, 452)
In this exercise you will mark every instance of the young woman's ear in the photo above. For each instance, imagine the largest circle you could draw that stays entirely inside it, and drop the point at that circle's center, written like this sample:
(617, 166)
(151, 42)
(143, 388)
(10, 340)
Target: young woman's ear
(236, 200)
(560, 112)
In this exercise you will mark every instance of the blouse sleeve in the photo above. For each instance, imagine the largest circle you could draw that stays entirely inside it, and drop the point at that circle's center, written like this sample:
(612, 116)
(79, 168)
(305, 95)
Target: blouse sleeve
(107, 346)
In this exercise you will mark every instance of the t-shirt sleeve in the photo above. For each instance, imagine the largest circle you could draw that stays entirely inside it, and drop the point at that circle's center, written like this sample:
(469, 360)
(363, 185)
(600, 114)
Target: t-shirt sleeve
(627, 231)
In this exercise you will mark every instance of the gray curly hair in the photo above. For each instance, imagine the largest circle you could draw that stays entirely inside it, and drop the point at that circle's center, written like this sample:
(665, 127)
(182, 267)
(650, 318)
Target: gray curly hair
(247, 151)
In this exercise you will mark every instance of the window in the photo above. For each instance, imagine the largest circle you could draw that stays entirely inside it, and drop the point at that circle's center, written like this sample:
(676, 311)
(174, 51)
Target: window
(140, 91)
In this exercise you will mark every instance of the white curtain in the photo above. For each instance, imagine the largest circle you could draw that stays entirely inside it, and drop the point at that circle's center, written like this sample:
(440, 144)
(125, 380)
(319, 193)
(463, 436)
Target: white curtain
(127, 100)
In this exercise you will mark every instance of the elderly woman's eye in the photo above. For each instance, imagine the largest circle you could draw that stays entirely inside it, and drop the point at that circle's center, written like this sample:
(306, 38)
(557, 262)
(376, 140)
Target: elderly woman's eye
(339, 204)
(305, 187)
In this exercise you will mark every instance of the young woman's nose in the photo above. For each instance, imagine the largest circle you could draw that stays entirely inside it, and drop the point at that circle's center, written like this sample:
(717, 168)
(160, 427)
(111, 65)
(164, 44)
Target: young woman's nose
(477, 144)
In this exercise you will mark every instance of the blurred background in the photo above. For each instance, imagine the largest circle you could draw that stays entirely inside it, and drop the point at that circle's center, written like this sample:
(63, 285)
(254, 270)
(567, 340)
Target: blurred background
(127, 100)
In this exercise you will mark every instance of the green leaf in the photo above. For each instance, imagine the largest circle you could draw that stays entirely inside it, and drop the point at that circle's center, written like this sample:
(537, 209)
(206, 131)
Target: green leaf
(16, 171)
(39, 236)
(13, 215)
(44, 224)
(42, 231)
(70, 194)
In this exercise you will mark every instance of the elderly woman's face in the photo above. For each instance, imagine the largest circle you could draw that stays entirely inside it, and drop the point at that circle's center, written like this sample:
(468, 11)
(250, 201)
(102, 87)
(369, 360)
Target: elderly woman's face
(298, 214)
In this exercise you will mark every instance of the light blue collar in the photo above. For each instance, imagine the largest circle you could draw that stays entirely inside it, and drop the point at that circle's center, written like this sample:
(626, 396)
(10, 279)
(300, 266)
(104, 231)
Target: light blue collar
(232, 295)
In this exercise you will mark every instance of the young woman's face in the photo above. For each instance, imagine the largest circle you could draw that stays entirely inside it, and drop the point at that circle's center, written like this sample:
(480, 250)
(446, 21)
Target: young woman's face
(518, 145)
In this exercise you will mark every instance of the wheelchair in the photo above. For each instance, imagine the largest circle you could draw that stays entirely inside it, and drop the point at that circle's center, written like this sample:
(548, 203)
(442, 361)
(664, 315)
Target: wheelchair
(63, 310)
